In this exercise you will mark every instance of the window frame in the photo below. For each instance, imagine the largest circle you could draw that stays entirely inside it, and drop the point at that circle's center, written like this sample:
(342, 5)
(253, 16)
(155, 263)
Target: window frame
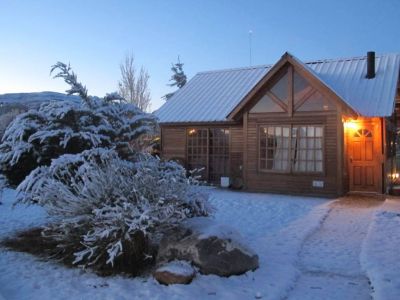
(290, 170)
(207, 156)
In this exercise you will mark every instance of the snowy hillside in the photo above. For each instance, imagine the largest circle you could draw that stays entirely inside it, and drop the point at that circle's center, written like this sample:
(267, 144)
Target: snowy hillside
(34, 99)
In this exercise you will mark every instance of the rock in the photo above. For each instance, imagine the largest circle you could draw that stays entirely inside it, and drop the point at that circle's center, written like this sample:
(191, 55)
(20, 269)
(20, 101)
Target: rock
(174, 272)
(211, 247)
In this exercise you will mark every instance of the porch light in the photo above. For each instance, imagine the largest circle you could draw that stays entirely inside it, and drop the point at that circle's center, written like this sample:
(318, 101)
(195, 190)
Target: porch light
(192, 131)
(350, 124)
(395, 175)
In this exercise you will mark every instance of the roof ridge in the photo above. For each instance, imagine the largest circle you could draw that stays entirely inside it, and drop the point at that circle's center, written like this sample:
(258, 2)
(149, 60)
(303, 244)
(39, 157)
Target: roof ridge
(315, 61)
(352, 58)
(236, 69)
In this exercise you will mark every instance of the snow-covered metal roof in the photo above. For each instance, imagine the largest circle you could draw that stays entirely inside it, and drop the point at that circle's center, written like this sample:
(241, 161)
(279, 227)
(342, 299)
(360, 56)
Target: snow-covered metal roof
(211, 96)
(369, 97)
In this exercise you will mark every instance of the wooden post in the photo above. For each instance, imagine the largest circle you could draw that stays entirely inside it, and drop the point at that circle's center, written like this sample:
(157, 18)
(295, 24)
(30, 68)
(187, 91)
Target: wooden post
(340, 153)
(245, 166)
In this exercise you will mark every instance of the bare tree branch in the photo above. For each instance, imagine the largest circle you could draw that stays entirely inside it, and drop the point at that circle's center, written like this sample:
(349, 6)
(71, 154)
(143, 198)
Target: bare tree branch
(133, 86)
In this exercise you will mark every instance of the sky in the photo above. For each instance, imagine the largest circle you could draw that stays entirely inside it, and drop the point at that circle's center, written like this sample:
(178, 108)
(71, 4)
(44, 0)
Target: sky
(95, 35)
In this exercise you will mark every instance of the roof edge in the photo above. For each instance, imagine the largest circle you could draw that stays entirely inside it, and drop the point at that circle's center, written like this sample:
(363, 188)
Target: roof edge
(285, 58)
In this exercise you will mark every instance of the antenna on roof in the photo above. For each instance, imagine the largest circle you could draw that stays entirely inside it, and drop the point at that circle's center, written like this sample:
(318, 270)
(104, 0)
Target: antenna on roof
(250, 35)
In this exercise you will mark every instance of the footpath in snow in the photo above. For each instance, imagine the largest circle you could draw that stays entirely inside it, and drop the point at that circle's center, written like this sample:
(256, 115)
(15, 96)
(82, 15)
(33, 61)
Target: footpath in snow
(330, 259)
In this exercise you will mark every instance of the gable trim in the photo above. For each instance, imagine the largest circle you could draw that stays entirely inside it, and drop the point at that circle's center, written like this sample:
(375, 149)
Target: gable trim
(302, 70)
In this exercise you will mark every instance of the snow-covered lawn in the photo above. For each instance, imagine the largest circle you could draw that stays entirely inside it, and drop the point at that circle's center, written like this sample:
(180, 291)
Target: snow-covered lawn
(281, 229)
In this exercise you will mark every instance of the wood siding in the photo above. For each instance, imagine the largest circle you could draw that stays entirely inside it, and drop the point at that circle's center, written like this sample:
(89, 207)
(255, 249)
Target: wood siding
(236, 151)
(173, 143)
(295, 183)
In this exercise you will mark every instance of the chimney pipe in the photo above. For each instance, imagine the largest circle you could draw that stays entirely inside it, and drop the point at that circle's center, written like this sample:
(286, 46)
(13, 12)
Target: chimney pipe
(370, 64)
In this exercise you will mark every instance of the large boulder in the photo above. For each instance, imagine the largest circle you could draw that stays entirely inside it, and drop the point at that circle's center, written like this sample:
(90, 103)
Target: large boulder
(175, 272)
(213, 248)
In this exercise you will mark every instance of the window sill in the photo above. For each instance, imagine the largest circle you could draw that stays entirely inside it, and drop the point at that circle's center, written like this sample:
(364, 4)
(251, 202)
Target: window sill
(308, 174)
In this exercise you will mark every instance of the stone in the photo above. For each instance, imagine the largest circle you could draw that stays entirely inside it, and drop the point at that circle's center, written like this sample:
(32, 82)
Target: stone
(213, 248)
(175, 272)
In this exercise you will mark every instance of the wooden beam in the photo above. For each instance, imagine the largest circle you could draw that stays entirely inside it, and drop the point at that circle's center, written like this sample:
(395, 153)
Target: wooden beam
(305, 72)
(206, 124)
(340, 153)
(319, 85)
(305, 98)
(282, 61)
(276, 100)
(290, 91)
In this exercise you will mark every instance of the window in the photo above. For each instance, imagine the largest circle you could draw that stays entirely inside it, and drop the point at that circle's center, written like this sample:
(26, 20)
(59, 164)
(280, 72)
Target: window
(266, 104)
(276, 98)
(287, 148)
(307, 98)
(218, 153)
(303, 98)
(208, 149)
(274, 147)
(307, 153)
(197, 150)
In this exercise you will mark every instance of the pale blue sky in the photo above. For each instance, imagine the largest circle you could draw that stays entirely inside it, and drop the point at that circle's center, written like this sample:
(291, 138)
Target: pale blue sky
(94, 36)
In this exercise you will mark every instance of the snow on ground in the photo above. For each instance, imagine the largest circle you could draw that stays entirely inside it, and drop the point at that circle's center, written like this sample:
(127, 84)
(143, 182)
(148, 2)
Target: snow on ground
(308, 248)
(329, 258)
(262, 219)
(14, 218)
(380, 257)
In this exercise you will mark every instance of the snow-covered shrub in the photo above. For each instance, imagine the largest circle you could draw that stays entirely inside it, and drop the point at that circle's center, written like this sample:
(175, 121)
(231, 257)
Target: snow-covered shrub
(8, 112)
(99, 204)
(57, 128)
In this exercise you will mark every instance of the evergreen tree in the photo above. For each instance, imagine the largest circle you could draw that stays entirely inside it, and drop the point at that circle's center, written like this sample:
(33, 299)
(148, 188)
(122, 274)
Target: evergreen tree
(178, 77)
(36, 137)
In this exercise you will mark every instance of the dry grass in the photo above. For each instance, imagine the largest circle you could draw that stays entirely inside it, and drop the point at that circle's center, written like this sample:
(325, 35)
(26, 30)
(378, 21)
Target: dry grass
(132, 262)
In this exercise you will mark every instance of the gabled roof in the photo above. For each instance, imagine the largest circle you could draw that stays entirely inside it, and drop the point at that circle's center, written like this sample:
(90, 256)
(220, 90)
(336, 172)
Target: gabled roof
(212, 96)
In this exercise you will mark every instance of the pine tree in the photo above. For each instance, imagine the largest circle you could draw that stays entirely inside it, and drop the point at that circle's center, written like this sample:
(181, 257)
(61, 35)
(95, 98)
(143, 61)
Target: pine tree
(36, 137)
(178, 77)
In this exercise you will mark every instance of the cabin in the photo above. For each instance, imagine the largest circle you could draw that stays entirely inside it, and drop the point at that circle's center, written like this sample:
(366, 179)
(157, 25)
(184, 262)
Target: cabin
(324, 128)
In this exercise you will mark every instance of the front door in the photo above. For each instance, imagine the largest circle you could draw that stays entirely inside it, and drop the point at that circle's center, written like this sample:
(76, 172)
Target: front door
(365, 158)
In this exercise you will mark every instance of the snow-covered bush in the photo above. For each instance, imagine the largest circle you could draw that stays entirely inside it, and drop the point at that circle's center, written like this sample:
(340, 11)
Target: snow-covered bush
(99, 203)
(57, 128)
(8, 112)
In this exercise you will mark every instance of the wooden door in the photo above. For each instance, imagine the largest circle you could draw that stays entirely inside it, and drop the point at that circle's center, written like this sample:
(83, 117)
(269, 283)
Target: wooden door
(365, 158)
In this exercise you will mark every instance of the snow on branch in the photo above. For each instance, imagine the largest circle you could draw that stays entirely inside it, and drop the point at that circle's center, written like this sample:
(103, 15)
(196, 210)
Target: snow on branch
(102, 201)
(70, 78)
(57, 128)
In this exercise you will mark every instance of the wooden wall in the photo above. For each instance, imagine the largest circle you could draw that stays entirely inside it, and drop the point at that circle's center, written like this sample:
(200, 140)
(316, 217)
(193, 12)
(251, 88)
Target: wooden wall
(236, 151)
(389, 152)
(296, 183)
(173, 144)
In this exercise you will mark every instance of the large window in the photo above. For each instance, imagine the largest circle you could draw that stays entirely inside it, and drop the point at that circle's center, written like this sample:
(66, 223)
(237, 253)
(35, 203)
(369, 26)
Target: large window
(307, 151)
(291, 148)
(197, 150)
(301, 96)
(208, 149)
(218, 154)
(274, 147)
